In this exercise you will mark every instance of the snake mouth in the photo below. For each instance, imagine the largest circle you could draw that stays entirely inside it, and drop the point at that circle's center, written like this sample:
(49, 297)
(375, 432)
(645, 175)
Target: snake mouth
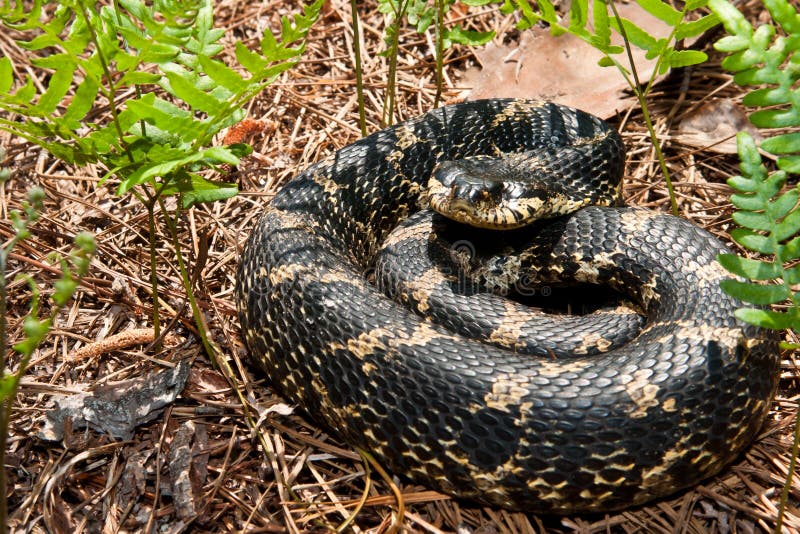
(491, 217)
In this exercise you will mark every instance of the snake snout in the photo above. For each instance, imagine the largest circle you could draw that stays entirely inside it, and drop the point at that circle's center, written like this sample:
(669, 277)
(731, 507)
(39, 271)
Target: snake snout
(472, 191)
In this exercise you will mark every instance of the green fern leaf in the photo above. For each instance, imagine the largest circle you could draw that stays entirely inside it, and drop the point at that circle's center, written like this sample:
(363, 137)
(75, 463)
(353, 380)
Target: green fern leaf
(749, 202)
(789, 164)
(753, 241)
(662, 11)
(82, 103)
(758, 294)
(783, 12)
(734, 22)
(195, 189)
(741, 183)
(6, 75)
(58, 86)
(792, 275)
(788, 227)
(791, 250)
(578, 16)
(683, 58)
(189, 93)
(780, 208)
(640, 38)
(765, 318)
(782, 144)
(251, 61)
(695, 28)
(223, 75)
(769, 218)
(732, 43)
(754, 221)
(164, 116)
(459, 35)
(548, 11)
(750, 268)
(602, 26)
(767, 96)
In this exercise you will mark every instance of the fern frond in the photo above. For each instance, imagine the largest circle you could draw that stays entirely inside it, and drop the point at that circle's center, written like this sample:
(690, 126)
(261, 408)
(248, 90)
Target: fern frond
(598, 33)
(99, 53)
(767, 58)
(420, 14)
(768, 220)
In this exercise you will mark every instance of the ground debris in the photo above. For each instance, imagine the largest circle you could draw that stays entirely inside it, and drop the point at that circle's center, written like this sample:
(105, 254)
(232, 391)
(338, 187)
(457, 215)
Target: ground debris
(188, 467)
(117, 408)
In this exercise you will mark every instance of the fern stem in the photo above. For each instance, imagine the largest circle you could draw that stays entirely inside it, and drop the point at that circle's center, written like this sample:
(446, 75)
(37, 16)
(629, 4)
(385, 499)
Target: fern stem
(362, 115)
(788, 484)
(642, 97)
(394, 50)
(211, 349)
(6, 402)
(439, 51)
(199, 320)
(151, 235)
(795, 310)
(673, 202)
(110, 94)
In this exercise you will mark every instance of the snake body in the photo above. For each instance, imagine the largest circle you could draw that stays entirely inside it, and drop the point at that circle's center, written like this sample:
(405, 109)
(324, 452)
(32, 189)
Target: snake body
(597, 430)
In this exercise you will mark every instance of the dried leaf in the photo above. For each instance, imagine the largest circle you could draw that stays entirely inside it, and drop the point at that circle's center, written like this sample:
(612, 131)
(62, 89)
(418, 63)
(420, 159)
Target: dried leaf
(116, 409)
(563, 69)
(188, 468)
(714, 126)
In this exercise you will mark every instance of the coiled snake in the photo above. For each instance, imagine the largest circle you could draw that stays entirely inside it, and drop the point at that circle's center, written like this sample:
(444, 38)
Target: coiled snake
(604, 424)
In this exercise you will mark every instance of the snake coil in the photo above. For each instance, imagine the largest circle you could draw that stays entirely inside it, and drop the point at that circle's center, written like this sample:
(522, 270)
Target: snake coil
(582, 432)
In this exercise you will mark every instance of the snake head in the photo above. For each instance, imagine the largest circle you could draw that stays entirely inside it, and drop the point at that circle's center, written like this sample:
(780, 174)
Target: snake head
(494, 193)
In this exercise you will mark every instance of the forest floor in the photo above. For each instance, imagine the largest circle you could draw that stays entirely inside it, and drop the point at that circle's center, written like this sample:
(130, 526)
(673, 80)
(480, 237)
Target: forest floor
(88, 482)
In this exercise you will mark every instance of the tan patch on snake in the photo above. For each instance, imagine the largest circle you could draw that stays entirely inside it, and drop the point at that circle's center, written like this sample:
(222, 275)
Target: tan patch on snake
(624, 308)
(395, 157)
(365, 344)
(293, 221)
(582, 141)
(658, 477)
(327, 184)
(510, 331)
(712, 273)
(593, 341)
(514, 109)
(405, 136)
(507, 393)
(648, 292)
(556, 369)
(414, 232)
(730, 338)
(497, 279)
(422, 334)
(635, 220)
(286, 273)
(590, 271)
(641, 391)
(422, 288)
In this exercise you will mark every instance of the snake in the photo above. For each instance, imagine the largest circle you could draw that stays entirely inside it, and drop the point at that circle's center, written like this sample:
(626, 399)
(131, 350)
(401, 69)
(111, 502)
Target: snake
(530, 413)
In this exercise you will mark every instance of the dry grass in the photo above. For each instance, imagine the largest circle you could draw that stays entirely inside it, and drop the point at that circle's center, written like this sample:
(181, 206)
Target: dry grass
(306, 480)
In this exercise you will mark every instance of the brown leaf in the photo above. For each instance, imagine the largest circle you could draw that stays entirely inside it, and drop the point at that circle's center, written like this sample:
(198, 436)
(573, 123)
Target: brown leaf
(714, 126)
(562, 69)
(188, 468)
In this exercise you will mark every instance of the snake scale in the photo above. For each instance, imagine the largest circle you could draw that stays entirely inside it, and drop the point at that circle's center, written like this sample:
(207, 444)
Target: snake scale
(586, 430)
